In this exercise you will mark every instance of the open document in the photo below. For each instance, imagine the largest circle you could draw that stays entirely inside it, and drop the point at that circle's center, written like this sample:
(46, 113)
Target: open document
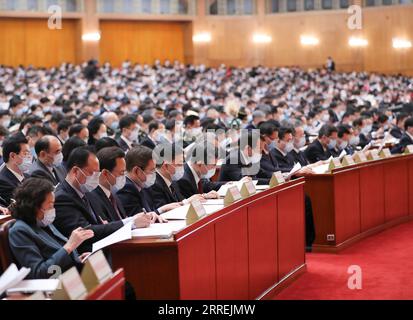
(124, 233)
(159, 230)
(294, 170)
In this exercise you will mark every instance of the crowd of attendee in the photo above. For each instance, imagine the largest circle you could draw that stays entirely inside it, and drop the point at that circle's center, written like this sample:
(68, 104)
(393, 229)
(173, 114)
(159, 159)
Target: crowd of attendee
(78, 146)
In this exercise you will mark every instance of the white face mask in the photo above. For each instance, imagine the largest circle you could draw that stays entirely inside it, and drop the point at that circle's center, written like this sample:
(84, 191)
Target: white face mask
(210, 173)
(91, 183)
(332, 144)
(354, 141)
(48, 218)
(150, 180)
(256, 157)
(179, 173)
(196, 131)
(343, 145)
(58, 159)
(26, 164)
(103, 135)
(289, 147)
(134, 135)
(300, 143)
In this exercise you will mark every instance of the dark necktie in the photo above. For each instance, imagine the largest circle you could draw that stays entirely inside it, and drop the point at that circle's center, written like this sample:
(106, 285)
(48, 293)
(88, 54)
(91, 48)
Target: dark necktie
(174, 194)
(200, 188)
(91, 212)
(115, 206)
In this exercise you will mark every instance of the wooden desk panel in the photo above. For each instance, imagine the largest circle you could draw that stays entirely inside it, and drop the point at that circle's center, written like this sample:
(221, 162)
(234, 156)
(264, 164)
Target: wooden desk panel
(395, 189)
(410, 186)
(263, 246)
(231, 246)
(347, 205)
(371, 197)
(197, 272)
(291, 231)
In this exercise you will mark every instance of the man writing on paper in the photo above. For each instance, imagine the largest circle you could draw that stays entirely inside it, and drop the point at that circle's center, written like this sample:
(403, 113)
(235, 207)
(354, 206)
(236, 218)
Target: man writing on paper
(198, 171)
(320, 149)
(169, 170)
(141, 175)
(73, 207)
(103, 199)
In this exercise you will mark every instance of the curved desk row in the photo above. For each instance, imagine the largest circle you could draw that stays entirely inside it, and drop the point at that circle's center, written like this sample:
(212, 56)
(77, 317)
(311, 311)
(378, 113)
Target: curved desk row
(248, 250)
(359, 200)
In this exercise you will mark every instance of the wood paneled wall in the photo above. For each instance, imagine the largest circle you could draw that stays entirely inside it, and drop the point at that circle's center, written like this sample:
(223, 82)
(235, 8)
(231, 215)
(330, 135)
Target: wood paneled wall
(143, 41)
(232, 40)
(30, 41)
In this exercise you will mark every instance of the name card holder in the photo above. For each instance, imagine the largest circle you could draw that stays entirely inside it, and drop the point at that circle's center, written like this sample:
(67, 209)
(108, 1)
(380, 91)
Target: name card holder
(347, 161)
(232, 195)
(71, 286)
(385, 153)
(96, 271)
(334, 163)
(276, 179)
(408, 149)
(248, 189)
(359, 157)
(195, 212)
(373, 155)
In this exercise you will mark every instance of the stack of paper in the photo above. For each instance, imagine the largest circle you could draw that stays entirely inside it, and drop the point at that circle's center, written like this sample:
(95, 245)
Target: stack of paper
(30, 286)
(177, 213)
(213, 208)
(321, 169)
(159, 230)
(213, 202)
(12, 277)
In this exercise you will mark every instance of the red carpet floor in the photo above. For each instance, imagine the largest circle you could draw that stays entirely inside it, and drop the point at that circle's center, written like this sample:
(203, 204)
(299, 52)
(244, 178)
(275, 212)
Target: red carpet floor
(386, 262)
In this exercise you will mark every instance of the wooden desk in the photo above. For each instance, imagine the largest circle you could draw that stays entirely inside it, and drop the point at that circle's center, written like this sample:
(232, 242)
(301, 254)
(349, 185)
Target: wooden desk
(359, 200)
(248, 250)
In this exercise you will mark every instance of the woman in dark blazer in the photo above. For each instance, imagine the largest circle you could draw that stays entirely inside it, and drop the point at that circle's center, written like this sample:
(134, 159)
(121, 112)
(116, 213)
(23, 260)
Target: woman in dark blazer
(34, 242)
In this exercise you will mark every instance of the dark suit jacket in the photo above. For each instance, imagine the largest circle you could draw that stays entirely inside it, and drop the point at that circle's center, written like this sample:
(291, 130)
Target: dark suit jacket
(234, 169)
(8, 183)
(123, 145)
(103, 206)
(147, 142)
(364, 140)
(39, 249)
(299, 158)
(162, 195)
(188, 187)
(315, 152)
(133, 200)
(405, 140)
(285, 163)
(396, 132)
(39, 170)
(72, 213)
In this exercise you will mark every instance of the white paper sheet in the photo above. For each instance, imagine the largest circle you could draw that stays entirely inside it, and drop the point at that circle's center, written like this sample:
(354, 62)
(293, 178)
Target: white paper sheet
(12, 277)
(342, 154)
(29, 286)
(294, 170)
(213, 208)
(177, 213)
(320, 169)
(159, 230)
(262, 187)
(213, 202)
(124, 233)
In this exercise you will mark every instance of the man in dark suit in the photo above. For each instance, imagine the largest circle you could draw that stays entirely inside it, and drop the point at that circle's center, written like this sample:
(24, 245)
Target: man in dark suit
(135, 196)
(320, 148)
(17, 157)
(406, 139)
(296, 155)
(149, 141)
(198, 172)
(244, 161)
(397, 130)
(269, 136)
(49, 160)
(73, 207)
(112, 178)
(170, 169)
(282, 148)
(129, 132)
(258, 116)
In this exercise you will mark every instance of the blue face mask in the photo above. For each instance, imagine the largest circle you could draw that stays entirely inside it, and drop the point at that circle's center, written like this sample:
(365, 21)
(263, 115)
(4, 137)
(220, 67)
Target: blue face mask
(115, 125)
